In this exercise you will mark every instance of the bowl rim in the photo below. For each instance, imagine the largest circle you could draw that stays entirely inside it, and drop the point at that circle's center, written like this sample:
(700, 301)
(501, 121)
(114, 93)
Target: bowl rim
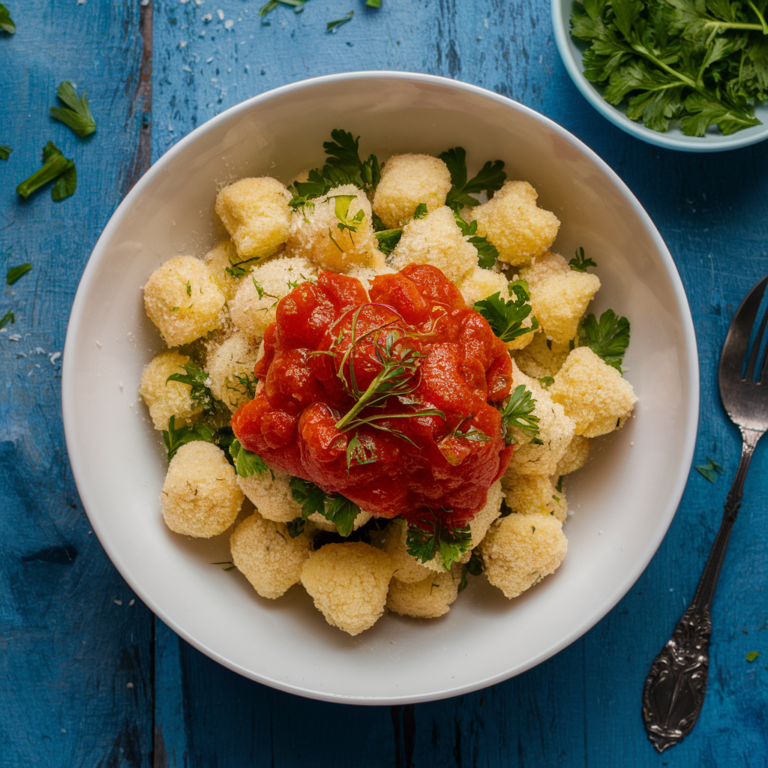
(76, 320)
(678, 141)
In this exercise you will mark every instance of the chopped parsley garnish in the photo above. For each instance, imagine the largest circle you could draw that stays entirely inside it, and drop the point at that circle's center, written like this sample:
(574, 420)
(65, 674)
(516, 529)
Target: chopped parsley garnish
(262, 293)
(752, 655)
(8, 317)
(196, 378)
(248, 383)
(518, 413)
(5, 152)
(388, 239)
(699, 63)
(486, 252)
(332, 26)
(343, 166)
(76, 114)
(55, 168)
(373, 3)
(579, 263)
(333, 507)
(247, 463)
(710, 470)
(16, 273)
(473, 567)
(608, 338)
(295, 527)
(421, 211)
(506, 317)
(361, 449)
(546, 381)
(489, 179)
(430, 536)
(174, 437)
(6, 22)
(230, 565)
(236, 271)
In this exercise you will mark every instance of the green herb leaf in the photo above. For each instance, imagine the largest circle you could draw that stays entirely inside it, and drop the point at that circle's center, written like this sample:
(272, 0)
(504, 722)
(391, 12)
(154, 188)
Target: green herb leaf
(295, 527)
(608, 338)
(230, 565)
(332, 26)
(333, 507)
(518, 412)
(196, 378)
(752, 655)
(5, 152)
(373, 3)
(489, 179)
(429, 536)
(506, 317)
(77, 112)
(361, 449)
(175, 437)
(16, 273)
(309, 496)
(473, 567)
(421, 211)
(55, 167)
(236, 271)
(546, 381)
(487, 254)
(342, 513)
(6, 22)
(579, 263)
(247, 463)
(388, 239)
(710, 470)
(8, 317)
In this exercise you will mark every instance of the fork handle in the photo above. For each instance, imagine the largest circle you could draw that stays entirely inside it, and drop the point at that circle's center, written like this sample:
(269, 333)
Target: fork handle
(674, 690)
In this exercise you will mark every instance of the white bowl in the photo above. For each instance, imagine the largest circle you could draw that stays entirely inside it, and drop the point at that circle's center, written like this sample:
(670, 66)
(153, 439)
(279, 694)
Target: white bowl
(571, 54)
(624, 500)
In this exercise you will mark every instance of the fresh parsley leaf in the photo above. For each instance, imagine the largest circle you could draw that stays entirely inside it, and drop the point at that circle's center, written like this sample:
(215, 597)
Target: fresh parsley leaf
(295, 527)
(8, 317)
(608, 338)
(309, 496)
(421, 211)
(333, 507)
(76, 114)
(341, 210)
(388, 239)
(473, 567)
(430, 536)
(332, 26)
(174, 437)
(546, 381)
(579, 263)
(196, 378)
(518, 413)
(247, 463)
(6, 22)
(342, 513)
(506, 317)
(55, 168)
(710, 470)
(16, 273)
(5, 152)
(489, 179)
(486, 252)
(752, 655)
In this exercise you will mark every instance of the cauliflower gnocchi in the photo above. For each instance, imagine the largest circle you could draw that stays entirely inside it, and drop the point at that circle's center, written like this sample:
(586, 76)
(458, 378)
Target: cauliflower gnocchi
(219, 312)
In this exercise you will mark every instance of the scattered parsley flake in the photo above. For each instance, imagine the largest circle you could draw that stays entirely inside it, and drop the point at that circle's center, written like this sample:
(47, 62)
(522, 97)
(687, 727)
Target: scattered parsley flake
(506, 317)
(55, 168)
(373, 3)
(752, 655)
(489, 179)
(429, 536)
(6, 22)
(332, 26)
(236, 271)
(579, 263)
(546, 381)
(608, 338)
(710, 470)
(77, 112)
(8, 317)
(16, 273)
(230, 565)
(5, 152)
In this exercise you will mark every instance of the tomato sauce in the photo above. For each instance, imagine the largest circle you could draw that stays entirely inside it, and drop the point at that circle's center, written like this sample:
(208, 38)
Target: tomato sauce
(385, 397)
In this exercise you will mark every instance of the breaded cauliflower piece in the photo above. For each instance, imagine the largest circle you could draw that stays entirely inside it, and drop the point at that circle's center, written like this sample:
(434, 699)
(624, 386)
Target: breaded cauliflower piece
(184, 301)
(533, 495)
(542, 357)
(220, 258)
(406, 181)
(167, 398)
(271, 495)
(483, 520)
(436, 240)
(560, 301)
(481, 283)
(513, 222)
(407, 568)
(520, 550)
(575, 456)
(323, 524)
(593, 393)
(544, 267)
(555, 433)
(348, 583)
(315, 232)
(255, 304)
(265, 553)
(230, 369)
(257, 216)
(200, 495)
(428, 598)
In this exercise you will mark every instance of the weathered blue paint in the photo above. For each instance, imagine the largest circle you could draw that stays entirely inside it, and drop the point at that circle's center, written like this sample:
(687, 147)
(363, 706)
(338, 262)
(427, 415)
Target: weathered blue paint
(70, 651)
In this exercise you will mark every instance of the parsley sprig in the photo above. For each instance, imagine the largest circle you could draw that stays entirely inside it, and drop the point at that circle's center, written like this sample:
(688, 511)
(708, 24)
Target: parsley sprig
(702, 62)
(580, 262)
(489, 179)
(247, 463)
(333, 507)
(76, 113)
(200, 393)
(487, 254)
(506, 317)
(174, 437)
(608, 337)
(6, 22)
(429, 536)
(55, 168)
(518, 413)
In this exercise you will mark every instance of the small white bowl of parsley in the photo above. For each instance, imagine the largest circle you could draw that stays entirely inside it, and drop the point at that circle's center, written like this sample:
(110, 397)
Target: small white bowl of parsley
(690, 75)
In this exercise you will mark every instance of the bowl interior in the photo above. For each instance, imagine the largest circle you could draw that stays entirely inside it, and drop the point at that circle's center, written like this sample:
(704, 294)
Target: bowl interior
(571, 54)
(620, 517)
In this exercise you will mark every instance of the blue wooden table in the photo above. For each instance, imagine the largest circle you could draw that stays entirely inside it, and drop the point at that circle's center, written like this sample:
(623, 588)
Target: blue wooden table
(88, 675)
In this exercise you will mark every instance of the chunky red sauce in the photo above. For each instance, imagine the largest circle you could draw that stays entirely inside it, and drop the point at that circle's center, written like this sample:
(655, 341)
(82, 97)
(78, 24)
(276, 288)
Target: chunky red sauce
(424, 433)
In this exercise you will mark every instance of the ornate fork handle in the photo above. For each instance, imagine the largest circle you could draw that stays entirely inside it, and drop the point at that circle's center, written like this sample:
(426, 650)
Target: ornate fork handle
(674, 690)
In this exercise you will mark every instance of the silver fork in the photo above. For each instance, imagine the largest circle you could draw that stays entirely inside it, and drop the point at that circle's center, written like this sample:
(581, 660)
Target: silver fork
(673, 694)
